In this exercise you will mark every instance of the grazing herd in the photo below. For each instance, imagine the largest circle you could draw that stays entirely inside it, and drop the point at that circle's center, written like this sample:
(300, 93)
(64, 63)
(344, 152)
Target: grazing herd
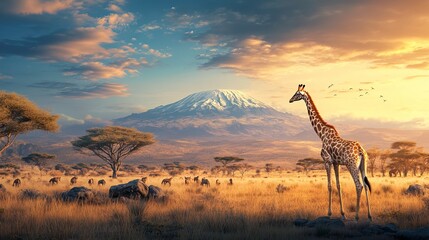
(204, 181)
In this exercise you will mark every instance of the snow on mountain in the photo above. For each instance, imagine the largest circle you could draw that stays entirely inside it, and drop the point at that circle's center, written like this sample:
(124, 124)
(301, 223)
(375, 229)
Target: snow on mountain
(215, 113)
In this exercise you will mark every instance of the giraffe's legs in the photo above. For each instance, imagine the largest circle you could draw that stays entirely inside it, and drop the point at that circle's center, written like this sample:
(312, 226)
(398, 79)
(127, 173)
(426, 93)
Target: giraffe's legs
(328, 166)
(355, 175)
(367, 202)
(337, 178)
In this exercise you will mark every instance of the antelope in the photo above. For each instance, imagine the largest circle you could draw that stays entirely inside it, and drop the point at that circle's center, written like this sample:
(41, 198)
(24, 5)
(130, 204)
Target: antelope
(187, 180)
(230, 181)
(54, 180)
(196, 179)
(101, 182)
(73, 180)
(91, 181)
(217, 182)
(144, 179)
(16, 182)
(166, 180)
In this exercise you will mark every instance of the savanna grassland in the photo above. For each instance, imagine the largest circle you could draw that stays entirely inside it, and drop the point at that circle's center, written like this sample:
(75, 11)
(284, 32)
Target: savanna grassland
(249, 209)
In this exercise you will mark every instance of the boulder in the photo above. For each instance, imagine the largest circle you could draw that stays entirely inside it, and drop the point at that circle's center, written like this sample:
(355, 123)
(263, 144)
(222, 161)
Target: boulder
(156, 192)
(135, 189)
(300, 222)
(415, 189)
(81, 194)
(375, 229)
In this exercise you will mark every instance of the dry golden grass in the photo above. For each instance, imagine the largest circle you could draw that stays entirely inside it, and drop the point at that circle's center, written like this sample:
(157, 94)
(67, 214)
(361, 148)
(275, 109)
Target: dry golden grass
(250, 209)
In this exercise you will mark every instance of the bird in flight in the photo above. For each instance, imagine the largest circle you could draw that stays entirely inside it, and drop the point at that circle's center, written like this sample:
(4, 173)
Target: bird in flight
(381, 96)
(351, 88)
(330, 85)
(372, 88)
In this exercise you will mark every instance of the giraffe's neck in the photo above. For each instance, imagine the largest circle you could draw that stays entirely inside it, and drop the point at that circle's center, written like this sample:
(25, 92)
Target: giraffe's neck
(323, 129)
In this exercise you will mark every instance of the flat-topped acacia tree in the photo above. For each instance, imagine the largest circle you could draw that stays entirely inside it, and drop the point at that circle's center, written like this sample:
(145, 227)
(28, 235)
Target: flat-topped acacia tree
(19, 115)
(113, 144)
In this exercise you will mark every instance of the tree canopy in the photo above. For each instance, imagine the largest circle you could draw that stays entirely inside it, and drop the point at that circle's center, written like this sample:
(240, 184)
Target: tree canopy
(38, 159)
(227, 160)
(19, 115)
(113, 144)
(309, 163)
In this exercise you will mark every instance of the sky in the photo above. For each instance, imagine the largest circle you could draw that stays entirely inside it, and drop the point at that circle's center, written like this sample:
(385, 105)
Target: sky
(363, 62)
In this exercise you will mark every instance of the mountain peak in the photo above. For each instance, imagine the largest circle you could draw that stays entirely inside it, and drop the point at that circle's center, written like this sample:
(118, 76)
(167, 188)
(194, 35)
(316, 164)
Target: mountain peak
(219, 112)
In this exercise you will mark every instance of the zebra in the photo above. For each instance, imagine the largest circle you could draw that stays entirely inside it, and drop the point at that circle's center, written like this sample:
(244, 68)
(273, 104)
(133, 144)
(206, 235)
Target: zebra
(205, 181)
(187, 180)
(16, 182)
(73, 180)
(54, 180)
(101, 182)
(166, 180)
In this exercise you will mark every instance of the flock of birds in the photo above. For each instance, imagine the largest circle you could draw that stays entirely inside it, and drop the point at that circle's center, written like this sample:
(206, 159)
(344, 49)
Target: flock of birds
(363, 92)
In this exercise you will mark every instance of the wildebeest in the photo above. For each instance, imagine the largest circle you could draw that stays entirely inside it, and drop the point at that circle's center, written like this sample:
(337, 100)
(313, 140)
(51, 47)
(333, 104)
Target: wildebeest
(54, 180)
(187, 180)
(217, 182)
(73, 180)
(230, 181)
(101, 182)
(16, 182)
(91, 181)
(196, 179)
(205, 181)
(166, 180)
(144, 179)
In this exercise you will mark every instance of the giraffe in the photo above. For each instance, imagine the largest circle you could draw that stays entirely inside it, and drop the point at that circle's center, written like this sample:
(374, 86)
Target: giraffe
(337, 151)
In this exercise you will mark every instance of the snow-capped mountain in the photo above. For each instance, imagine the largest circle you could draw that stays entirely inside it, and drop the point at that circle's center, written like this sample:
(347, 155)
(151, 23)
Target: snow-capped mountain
(215, 113)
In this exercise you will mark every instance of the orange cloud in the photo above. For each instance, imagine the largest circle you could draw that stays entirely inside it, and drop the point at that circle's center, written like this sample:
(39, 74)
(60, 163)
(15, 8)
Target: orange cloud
(35, 6)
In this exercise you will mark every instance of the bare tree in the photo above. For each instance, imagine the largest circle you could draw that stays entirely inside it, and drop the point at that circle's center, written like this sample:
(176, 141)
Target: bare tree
(113, 144)
(19, 115)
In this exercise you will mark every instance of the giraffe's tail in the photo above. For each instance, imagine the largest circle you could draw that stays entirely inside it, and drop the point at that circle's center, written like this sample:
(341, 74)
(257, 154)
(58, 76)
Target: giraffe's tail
(363, 166)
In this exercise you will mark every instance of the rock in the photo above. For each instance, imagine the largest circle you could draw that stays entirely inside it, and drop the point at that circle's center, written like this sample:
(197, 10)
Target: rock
(32, 194)
(375, 229)
(81, 194)
(421, 233)
(326, 222)
(415, 189)
(155, 192)
(135, 189)
(300, 222)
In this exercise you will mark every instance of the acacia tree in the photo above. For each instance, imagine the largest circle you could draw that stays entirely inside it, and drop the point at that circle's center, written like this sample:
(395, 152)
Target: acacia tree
(373, 155)
(38, 159)
(405, 159)
(113, 144)
(243, 168)
(19, 115)
(225, 161)
(308, 163)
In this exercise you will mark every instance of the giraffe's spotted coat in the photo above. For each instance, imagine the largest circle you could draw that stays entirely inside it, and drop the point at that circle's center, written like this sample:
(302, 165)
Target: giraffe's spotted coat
(337, 151)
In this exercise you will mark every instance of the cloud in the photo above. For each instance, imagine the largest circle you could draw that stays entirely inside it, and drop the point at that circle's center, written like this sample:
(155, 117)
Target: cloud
(52, 85)
(27, 7)
(159, 54)
(65, 45)
(115, 20)
(350, 122)
(114, 8)
(295, 33)
(98, 70)
(4, 77)
(149, 27)
(416, 77)
(102, 90)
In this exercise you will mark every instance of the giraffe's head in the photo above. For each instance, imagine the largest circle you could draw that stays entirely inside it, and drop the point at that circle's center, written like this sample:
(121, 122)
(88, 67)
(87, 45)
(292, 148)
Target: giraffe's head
(299, 94)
